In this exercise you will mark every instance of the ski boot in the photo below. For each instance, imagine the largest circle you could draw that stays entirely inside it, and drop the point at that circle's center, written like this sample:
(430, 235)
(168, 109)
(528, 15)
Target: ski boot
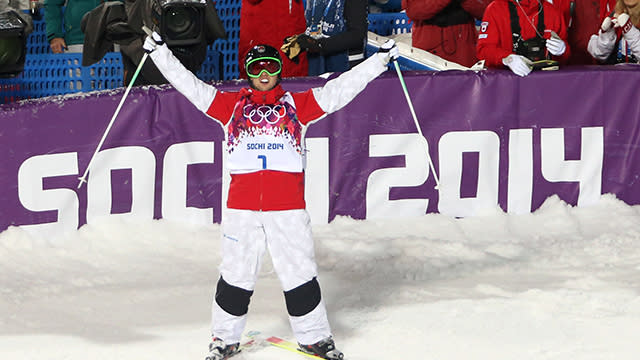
(219, 350)
(324, 348)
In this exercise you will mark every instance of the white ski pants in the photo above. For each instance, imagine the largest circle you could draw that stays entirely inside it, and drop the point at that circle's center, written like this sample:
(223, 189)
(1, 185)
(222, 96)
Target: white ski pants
(246, 234)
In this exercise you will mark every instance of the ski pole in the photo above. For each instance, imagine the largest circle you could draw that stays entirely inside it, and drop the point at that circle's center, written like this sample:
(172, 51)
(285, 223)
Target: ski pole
(415, 119)
(83, 179)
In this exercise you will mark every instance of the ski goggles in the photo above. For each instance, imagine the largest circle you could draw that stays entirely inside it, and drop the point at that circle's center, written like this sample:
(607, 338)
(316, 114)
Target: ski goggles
(271, 65)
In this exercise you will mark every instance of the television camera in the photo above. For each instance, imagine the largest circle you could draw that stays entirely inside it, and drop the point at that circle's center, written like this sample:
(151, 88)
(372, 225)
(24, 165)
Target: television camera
(15, 26)
(186, 26)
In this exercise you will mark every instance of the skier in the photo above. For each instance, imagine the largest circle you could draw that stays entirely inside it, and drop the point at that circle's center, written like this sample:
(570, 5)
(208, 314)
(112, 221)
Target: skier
(264, 127)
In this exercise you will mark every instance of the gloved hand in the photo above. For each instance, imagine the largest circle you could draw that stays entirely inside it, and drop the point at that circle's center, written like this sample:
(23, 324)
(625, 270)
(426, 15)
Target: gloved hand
(607, 24)
(152, 42)
(291, 48)
(519, 64)
(309, 44)
(623, 21)
(389, 51)
(556, 45)
(601, 45)
(607, 35)
(630, 32)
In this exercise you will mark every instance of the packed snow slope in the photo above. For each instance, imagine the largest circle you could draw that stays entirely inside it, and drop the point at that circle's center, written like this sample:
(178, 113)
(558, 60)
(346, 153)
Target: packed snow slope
(561, 283)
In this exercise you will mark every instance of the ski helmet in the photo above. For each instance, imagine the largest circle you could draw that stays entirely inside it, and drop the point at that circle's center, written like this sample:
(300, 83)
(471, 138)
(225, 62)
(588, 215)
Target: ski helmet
(263, 52)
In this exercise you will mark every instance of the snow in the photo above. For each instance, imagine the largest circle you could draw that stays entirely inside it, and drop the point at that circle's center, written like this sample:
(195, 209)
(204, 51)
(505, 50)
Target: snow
(560, 283)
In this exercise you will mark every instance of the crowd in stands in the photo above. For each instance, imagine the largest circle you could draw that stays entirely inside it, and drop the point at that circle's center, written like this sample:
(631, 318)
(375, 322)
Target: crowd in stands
(525, 35)
(521, 35)
(319, 36)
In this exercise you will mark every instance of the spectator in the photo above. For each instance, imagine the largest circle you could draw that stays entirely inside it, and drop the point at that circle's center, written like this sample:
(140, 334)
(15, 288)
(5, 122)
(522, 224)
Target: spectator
(618, 39)
(63, 26)
(446, 27)
(270, 22)
(265, 127)
(335, 37)
(515, 33)
(583, 18)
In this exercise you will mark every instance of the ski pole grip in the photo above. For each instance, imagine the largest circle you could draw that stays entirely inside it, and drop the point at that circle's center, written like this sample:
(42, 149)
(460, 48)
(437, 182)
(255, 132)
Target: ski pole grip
(147, 30)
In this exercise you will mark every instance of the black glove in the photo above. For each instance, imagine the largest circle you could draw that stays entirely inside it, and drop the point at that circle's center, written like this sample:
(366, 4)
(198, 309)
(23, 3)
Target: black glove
(306, 42)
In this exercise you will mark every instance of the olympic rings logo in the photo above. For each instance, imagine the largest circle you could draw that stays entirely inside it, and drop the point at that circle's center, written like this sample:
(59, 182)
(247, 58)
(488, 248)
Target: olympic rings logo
(264, 113)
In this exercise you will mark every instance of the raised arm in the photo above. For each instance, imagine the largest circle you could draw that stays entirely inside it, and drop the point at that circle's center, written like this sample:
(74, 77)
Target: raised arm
(630, 33)
(338, 92)
(601, 45)
(195, 90)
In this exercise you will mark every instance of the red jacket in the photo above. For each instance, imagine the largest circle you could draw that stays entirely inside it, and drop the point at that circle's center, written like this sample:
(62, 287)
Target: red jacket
(585, 21)
(270, 22)
(597, 8)
(455, 43)
(495, 40)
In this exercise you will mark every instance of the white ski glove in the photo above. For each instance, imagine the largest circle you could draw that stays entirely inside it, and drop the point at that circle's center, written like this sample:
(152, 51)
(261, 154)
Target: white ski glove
(600, 46)
(152, 42)
(389, 51)
(519, 64)
(623, 21)
(607, 34)
(630, 32)
(555, 45)
(607, 24)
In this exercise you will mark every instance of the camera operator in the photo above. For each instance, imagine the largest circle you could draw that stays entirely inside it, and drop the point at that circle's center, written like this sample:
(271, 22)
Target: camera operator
(121, 23)
(13, 4)
(519, 34)
(15, 26)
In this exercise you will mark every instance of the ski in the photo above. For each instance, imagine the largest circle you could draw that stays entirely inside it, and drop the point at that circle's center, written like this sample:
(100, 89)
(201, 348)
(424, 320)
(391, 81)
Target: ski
(290, 346)
(252, 343)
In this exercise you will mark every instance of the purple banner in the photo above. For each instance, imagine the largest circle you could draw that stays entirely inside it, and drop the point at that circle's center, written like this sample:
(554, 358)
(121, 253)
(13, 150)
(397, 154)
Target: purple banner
(494, 139)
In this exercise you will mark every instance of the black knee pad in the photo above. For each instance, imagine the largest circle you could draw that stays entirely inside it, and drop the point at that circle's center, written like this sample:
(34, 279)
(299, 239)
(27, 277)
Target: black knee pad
(232, 299)
(303, 299)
